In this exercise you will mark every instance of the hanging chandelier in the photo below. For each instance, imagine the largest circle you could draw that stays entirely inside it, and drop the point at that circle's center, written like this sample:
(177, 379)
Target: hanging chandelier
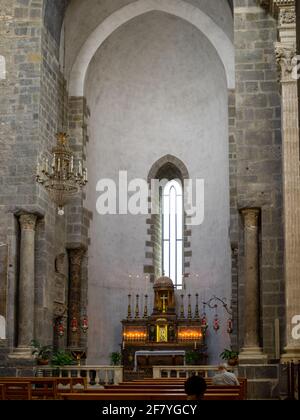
(60, 176)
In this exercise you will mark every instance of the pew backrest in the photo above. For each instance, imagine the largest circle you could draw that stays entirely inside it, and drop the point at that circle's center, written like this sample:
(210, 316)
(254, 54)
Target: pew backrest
(17, 391)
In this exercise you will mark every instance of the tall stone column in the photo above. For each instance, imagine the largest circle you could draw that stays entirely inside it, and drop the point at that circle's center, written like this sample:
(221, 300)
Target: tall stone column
(26, 285)
(286, 54)
(75, 261)
(251, 347)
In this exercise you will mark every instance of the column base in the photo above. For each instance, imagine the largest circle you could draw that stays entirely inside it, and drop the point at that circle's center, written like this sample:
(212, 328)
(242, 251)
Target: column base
(291, 354)
(24, 353)
(252, 355)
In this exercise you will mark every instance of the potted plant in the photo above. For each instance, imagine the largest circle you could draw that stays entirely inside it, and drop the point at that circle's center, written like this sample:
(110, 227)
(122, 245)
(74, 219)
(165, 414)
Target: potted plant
(232, 357)
(191, 358)
(41, 353)
(62, 358)
(115, 358)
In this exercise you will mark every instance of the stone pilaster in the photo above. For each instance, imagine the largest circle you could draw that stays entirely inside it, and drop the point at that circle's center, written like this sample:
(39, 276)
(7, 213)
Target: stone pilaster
(286, 58)
(75, 261)
(251, 350)
(26, 286)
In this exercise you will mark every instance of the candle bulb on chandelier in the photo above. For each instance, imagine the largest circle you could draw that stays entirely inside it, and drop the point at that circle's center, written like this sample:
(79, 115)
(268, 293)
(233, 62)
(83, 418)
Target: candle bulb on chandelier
(72, 164)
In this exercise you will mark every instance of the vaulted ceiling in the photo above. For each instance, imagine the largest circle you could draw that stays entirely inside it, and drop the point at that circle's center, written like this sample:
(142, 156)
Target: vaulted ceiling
(55, 11)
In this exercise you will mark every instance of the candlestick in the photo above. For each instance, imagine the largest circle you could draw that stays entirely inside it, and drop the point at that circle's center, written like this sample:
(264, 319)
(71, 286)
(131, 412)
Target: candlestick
(137, 311)
(182, 308)
(146, 307)
(197, 316)
(129, 307)
(189, 307)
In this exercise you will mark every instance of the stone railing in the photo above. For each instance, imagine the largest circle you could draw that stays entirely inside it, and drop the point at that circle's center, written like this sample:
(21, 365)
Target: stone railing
(182, 371)
(96, 375)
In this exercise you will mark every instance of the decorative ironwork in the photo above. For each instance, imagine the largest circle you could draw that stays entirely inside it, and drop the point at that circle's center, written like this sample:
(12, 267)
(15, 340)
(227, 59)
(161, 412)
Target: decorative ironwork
(59, 176)
(217, 300)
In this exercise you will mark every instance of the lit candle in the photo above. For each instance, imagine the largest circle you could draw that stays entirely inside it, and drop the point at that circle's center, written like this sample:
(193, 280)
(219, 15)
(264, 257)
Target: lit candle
(80, 168)
(58, 165)
(72, 164)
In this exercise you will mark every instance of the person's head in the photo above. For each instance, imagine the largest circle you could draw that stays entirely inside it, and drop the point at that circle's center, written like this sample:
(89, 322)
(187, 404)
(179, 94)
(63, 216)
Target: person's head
(195, 387)
(222, 368)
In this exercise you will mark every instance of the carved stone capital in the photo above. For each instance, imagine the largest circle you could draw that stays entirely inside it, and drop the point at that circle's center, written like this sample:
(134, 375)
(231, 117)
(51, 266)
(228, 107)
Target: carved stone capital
(28, 221)
(287, 16)
(251, 217)
(286, 57)
(275, 6)
(59, 309)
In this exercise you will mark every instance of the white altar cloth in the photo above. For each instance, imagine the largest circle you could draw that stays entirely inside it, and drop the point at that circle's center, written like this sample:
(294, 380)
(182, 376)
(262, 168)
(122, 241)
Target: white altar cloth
(157, 353)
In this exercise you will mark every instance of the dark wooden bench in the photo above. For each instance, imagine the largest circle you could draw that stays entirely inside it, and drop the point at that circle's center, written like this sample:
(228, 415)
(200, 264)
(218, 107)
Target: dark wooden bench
(1, 392)
(17, 391)
(47, 388)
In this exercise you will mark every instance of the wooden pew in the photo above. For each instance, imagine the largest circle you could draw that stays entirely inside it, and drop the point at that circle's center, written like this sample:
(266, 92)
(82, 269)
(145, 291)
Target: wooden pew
(1, 392)
(41, 388)
(47, 388)
(17, 391)
(177, 382)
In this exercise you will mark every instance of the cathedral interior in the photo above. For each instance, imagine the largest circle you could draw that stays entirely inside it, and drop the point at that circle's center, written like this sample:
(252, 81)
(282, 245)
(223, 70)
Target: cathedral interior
(99, 98)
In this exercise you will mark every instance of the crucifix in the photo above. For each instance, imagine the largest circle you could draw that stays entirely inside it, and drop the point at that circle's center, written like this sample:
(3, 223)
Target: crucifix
(164, 299)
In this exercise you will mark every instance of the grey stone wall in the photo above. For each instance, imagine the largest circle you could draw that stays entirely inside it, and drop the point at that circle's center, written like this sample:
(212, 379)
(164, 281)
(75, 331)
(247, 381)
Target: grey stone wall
(234, 229)
(258, 149)
(143, 108)
(20, 44)
(30, 112)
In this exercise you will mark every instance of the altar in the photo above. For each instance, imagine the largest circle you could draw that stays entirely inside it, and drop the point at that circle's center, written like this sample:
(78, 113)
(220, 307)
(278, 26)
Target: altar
(161, 356)
(167, 336)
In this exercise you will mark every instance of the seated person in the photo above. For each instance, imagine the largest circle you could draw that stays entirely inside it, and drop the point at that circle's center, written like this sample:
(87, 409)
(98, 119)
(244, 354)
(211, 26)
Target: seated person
(223, 377)
(195, 387)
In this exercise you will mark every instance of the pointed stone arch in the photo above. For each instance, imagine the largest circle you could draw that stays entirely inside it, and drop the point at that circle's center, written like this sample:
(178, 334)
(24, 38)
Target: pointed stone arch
(168, 160)
(186, 11)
